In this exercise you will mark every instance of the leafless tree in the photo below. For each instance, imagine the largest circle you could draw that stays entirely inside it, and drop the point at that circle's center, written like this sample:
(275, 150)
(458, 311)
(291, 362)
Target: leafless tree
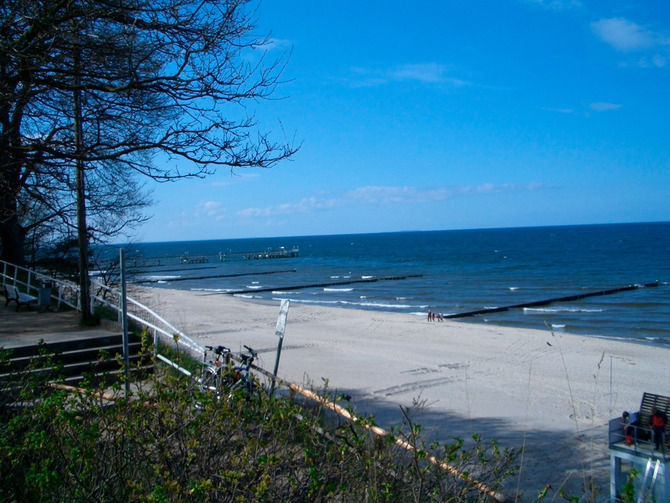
(92, 90)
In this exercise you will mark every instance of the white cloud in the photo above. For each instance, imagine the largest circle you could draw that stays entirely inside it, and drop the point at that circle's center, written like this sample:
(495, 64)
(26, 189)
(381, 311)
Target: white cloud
(303, 206)
(427, 73)
(560, 110)
(659, 61)
(491, 188)
(604, 107)
(424, 72)
(385, 195)
(556, 4)
(210, 209)
(277, 43)
(251, 213)
(235, 179)
(374, 194)
(625, 35)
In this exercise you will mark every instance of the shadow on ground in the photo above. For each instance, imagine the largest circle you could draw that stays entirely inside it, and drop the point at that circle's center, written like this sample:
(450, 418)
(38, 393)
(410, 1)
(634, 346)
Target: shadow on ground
(576, 462)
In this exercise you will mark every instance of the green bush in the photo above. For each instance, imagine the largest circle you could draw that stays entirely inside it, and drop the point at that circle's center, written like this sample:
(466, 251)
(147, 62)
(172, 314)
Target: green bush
(170, 442)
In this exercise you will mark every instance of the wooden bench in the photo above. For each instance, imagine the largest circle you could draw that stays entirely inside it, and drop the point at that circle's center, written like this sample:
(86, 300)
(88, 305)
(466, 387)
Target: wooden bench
(22, 299)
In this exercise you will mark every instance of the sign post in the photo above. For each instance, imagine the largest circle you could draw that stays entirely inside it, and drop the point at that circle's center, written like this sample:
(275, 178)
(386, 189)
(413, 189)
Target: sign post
(279, 332)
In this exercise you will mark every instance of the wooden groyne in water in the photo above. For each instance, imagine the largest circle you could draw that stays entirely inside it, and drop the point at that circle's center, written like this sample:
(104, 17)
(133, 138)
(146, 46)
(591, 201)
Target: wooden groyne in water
(235, 275)
(326, 285)
(568, 298)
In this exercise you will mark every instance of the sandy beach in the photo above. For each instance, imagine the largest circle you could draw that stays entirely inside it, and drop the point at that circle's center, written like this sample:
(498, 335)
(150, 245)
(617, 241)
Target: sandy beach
(552, 394)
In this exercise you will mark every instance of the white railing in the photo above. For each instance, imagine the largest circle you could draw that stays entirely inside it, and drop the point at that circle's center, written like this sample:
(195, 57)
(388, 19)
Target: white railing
(165, 335)
(28, 280)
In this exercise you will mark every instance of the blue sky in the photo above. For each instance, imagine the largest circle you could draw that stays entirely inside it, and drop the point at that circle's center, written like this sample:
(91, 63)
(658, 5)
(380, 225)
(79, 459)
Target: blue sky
(432, 115)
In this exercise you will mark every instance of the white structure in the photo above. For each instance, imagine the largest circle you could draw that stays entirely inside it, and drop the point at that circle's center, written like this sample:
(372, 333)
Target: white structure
(636, 468)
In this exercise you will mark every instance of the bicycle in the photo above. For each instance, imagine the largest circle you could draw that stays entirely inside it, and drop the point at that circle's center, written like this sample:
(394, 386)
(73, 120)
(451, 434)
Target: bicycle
(212, 375)
(242, 379)
(218, 376)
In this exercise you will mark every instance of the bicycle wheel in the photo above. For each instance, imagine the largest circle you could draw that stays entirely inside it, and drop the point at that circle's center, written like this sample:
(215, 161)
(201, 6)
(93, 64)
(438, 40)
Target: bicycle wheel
(210, 380)
(254, 392)
(238, 391)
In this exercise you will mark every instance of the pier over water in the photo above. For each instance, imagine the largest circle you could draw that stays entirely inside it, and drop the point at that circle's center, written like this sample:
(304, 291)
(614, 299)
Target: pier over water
(187, 258)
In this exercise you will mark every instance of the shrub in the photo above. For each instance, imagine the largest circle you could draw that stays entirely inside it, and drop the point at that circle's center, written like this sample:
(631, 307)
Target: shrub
(95, 445)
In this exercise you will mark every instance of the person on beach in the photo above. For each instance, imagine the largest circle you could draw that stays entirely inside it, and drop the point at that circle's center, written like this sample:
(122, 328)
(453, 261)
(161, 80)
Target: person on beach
(658, 420)
(630, 424)
(429, 316)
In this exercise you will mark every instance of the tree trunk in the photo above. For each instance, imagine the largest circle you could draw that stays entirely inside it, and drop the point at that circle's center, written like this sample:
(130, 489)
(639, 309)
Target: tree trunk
(12, 233)
(12, 236)
(82, 226)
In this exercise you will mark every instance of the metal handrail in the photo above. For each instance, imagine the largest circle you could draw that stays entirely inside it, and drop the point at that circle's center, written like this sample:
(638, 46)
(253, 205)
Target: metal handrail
(642, 436)
(164, 333)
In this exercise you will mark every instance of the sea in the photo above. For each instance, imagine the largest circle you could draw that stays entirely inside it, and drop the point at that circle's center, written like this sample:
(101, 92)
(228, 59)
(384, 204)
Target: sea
(447, 272)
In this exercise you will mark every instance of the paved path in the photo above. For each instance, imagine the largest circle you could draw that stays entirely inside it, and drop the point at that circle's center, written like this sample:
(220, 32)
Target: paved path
(24, 328)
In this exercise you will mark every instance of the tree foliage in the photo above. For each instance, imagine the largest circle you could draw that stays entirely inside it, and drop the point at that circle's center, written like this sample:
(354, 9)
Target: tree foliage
(163, 88)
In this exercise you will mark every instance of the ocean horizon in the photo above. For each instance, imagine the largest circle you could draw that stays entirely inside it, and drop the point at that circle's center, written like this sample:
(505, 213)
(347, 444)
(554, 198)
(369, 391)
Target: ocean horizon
(447, 272)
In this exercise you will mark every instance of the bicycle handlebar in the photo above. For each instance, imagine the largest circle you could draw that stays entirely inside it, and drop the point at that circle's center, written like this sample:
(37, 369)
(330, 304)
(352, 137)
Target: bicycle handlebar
(222, 349)
(219, 350)
(246, 359)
